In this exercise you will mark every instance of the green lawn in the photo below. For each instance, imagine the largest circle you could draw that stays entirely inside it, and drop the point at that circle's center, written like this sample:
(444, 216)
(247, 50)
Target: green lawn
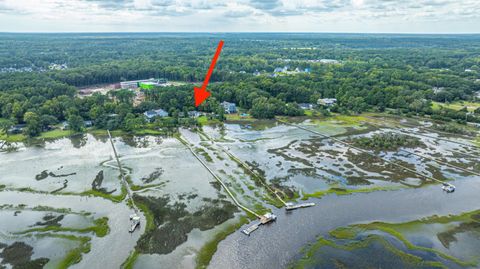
(471, 106)
(237, 117)
(12, 137)
(56, 133)
(204, 120)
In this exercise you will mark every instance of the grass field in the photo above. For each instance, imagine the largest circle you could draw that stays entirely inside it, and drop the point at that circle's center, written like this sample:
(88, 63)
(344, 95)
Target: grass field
(471, 106)
(237, 117)
(56, 133)
(203, 120)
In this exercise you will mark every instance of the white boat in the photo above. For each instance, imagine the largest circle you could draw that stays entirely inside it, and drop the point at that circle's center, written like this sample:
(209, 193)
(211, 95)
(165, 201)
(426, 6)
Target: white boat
(134, 223)
(448, 188)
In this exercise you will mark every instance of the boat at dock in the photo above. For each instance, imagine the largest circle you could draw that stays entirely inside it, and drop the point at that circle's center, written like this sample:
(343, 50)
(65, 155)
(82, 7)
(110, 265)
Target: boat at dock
(264, 219)
(134, 223)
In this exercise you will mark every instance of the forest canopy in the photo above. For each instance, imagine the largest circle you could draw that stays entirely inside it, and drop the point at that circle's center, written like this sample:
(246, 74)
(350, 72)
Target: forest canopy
(404, 73)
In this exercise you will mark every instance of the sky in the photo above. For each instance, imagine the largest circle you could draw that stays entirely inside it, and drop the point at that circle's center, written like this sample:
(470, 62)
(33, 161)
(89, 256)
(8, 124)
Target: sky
(353, 16)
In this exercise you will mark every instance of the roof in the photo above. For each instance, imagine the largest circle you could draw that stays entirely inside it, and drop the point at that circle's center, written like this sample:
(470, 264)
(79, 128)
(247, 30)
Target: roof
(157, 112)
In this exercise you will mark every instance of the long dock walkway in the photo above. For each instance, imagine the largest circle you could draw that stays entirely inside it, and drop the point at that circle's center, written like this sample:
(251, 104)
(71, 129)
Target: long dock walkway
(426, 135)
(364, 151)
(288, 205)
(432, 137)
(185, 142)
(124, 181)
(253, 172)
(440, 162)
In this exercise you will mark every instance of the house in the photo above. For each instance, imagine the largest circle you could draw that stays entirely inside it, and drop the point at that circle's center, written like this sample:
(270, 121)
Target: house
(88, 123)
(151, 114)
(16, 129)
(229, 107)
(438, 89)
(307, 70)
(65, 125)
(468, 70)
(278, 70)
(307, 106)
(256, 73)
(194, 114)
(327, 101)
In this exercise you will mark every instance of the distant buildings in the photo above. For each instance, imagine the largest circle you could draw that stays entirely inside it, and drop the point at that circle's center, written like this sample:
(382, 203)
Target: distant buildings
(285, 70)
(229, 107)
(256, 73)
(58, 67)
(151, 114)
(327, 101)
(468, 70)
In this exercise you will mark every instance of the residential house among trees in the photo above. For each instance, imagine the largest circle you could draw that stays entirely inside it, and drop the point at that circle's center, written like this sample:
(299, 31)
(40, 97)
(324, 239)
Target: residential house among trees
(229, 107)
(151, 114)
(327, 101)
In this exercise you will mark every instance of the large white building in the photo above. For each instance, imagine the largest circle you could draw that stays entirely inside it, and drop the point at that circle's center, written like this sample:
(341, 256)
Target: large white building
(136, 83)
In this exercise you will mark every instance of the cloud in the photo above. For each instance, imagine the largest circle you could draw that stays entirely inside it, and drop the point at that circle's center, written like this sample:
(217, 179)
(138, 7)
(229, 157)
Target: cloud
(300, 15)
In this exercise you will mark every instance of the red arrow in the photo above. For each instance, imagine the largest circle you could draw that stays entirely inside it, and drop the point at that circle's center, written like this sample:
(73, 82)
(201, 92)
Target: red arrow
(201, 94)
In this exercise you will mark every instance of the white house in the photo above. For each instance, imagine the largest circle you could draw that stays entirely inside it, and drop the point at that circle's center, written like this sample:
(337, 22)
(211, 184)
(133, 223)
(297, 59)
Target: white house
(155, 113)
(229, 107)
(327, 101)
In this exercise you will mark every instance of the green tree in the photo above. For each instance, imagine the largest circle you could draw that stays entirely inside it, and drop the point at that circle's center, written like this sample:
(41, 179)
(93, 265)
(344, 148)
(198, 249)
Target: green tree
(34, 126)
(5, 125)
(75, 123)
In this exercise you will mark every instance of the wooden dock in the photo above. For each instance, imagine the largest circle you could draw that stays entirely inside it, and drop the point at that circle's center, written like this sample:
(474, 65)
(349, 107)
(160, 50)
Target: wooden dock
(288, 205)
(291, 206)
(218, 179)
(404, 168)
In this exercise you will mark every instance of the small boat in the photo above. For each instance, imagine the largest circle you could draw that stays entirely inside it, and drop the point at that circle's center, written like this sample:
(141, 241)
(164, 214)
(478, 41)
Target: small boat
(134, 223)
(268, 218)
(448, 188)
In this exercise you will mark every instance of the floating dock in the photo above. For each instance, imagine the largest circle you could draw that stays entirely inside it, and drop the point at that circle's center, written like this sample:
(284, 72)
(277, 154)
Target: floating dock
(291, 206)
(269, 217)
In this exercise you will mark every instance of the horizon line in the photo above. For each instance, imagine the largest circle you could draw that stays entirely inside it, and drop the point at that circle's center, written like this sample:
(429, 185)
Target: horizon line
(238, 32)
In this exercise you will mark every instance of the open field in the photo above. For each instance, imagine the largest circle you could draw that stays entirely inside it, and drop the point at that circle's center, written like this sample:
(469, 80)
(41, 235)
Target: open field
(471, 106)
